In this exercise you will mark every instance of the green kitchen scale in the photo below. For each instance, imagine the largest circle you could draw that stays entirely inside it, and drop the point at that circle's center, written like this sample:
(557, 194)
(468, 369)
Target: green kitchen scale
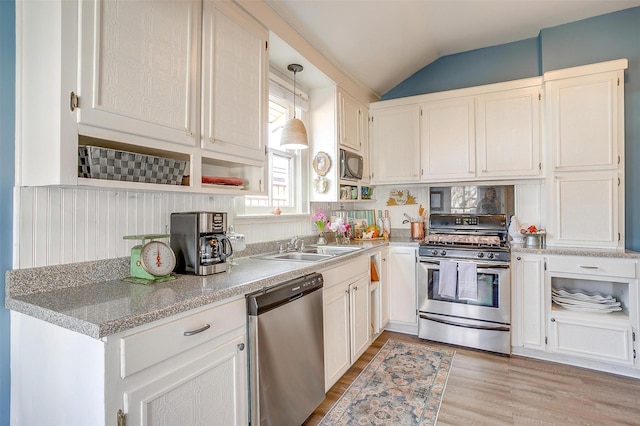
(151, 261)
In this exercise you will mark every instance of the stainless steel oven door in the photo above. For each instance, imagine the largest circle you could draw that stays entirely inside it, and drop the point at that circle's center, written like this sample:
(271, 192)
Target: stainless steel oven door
(494, 293)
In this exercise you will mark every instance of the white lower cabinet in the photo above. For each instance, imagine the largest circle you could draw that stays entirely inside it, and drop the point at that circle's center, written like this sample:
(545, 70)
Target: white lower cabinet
(572, 334)
(606, 337)
(347, 317)
(402, 289)
(601, 339)
(206, 385)
(528, 301)
(190, 369)
(379, 291)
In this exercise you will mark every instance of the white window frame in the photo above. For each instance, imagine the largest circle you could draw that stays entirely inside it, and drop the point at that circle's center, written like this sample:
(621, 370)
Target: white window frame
(299, 174)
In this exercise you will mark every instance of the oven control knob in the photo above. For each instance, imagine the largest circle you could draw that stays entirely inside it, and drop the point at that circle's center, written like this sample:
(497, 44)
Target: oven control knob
(434, 252)
(443, 253)
(490, 255)
(480, 255)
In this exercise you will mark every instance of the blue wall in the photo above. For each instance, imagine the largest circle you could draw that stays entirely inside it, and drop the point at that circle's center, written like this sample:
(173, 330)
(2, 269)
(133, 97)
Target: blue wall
(602, 38)
(7, 159)
(510, 61)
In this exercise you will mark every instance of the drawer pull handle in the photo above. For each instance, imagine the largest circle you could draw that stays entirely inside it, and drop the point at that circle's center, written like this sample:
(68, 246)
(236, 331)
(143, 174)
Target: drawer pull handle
(588, 267)
(200, 330)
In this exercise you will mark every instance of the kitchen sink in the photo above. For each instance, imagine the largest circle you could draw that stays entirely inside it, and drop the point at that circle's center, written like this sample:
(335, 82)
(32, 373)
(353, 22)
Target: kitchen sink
(310, 254)
(332, 250)
(306, 257)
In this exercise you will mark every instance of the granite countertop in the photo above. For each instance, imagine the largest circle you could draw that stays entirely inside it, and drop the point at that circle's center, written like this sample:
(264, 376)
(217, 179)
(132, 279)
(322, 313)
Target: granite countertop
(578, 251)
(90, 297)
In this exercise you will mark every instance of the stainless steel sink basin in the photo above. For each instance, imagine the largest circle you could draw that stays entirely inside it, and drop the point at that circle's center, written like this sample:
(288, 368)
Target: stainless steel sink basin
(310, 254)
(334, 250)
(306, 257)
(295, 256)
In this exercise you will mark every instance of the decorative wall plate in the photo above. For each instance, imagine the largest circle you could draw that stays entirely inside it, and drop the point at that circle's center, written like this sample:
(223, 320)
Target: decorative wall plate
(321, 184)
(321, 163)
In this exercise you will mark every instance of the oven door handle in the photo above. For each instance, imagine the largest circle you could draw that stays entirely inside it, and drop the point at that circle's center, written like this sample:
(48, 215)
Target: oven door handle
(482, 267)
(477, 327)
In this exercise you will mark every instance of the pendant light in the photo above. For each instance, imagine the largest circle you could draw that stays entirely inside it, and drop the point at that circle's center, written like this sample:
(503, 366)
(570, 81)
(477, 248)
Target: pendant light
(294, 134)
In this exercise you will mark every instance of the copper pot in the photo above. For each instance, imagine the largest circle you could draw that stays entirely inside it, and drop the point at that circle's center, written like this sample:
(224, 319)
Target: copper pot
(417, 230)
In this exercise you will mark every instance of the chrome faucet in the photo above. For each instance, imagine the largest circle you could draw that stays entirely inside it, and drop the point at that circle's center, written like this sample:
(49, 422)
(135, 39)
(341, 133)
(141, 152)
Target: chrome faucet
(293, 244)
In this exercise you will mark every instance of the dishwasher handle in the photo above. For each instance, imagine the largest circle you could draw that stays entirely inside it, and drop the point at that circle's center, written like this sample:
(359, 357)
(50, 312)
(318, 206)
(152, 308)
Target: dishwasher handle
(266, 300)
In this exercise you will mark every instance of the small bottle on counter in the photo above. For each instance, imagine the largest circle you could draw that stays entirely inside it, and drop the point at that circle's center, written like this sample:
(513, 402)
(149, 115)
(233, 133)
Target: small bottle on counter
(387, 224)
(380, 222)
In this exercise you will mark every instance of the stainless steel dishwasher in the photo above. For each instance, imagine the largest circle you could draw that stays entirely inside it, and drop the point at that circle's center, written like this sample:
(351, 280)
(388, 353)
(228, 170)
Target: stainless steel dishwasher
(286, 352)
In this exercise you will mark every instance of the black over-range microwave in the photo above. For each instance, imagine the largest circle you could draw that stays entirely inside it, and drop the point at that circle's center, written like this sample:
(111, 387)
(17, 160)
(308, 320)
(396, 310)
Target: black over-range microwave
(351, 165)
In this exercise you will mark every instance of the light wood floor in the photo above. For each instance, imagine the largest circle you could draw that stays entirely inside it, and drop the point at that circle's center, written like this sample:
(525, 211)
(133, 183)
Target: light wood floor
(488, 389)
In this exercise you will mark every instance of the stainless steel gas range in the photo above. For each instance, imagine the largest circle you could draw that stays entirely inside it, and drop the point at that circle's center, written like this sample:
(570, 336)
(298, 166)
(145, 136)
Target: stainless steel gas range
(464, 284)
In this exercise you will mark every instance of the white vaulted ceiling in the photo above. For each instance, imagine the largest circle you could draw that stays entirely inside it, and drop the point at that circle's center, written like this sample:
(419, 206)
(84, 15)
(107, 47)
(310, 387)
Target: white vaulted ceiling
(379, 43)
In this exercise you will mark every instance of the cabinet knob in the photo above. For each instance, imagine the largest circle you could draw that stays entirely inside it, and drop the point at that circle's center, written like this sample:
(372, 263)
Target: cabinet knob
(519, 258)
(553, 320)
(241, 346)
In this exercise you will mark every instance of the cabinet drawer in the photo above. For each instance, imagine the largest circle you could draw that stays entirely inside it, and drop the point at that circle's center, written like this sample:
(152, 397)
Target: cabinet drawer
(593, 266)
(155, 344)
(346, 271)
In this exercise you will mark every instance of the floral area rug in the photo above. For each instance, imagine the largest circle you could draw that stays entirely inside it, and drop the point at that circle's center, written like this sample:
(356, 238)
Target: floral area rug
(402, 385)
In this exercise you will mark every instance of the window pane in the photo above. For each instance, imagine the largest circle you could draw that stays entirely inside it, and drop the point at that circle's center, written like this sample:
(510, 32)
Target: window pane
(282, 163)
(278, 116)
(281, 179)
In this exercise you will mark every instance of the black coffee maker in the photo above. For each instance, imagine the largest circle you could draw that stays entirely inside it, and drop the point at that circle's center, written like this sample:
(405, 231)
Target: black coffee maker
(200, 243)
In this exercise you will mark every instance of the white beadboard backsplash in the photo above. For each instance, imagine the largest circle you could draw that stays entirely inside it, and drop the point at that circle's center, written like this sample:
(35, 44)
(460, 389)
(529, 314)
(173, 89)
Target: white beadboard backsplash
(54, 226)
(66, 225)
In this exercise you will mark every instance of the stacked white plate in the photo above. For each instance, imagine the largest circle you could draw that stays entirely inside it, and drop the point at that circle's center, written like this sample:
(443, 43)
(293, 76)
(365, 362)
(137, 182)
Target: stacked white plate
(578, 300)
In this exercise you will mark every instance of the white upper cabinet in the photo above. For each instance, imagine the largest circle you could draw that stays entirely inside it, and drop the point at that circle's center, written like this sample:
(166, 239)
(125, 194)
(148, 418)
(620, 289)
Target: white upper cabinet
(585, 136)
(478, 133)
(128, 76)
(448, 143)
(235, 82)
(139, 68)
(585, 116)
(352, 128)
(395, 144)
(586, 209)
(508, 133)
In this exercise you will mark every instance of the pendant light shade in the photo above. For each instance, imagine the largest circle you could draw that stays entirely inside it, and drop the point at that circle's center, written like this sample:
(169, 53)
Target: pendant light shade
(294, 134)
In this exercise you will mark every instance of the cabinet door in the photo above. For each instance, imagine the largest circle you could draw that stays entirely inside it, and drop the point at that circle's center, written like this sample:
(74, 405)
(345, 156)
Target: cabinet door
(209, 390)
(528, 302)
(402, 285)
(585, 209)
(337, 348)
(395, 144)
(448, 140)
(586, 115)
(235, 92)
(599, 340)
(360, 317)
(139, 69)
(508, 133)
(383, 274)
(350, 119)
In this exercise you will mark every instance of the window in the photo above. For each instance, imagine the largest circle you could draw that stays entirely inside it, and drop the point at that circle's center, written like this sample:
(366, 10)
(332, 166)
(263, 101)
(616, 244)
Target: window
(286, 173)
